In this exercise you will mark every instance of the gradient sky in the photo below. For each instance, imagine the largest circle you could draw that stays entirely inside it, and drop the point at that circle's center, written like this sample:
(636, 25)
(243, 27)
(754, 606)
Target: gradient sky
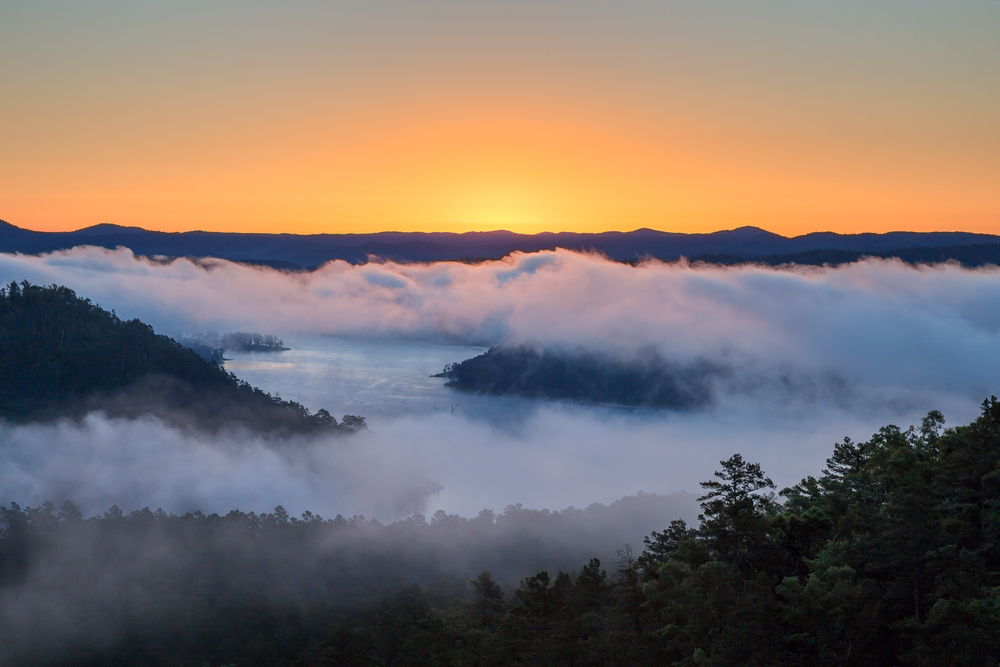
(306, 117)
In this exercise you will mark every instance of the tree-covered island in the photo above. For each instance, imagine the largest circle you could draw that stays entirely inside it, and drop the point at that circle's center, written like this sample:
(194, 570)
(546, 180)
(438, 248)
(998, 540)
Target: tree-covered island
(647, 380)
(211, 345)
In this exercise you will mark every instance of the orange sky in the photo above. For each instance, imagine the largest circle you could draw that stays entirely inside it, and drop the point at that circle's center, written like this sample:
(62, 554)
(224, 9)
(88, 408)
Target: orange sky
(533, 117)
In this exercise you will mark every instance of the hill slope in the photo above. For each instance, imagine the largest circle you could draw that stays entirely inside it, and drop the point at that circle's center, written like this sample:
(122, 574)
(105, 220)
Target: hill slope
(61, 355)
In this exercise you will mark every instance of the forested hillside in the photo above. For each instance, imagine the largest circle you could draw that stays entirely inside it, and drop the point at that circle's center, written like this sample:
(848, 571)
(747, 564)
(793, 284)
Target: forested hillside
(891, 556)
(61, 355)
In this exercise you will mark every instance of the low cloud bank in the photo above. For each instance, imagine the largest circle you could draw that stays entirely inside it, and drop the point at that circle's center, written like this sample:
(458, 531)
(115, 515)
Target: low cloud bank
(896, 331)
(554, 457)
(99, 462)
(813, 355)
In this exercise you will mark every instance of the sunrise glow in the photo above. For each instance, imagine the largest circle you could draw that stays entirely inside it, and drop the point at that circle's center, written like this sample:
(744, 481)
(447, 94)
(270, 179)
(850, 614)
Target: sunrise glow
(245, 118)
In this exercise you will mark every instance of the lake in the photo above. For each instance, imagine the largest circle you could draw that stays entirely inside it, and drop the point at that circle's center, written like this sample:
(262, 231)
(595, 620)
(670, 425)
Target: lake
(376, 379)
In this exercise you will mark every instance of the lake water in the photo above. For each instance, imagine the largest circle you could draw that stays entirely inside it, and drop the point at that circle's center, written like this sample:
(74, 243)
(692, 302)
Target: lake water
(376, 379)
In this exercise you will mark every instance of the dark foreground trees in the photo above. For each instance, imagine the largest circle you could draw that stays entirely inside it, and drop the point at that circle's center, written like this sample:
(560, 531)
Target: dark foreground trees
(891, 556)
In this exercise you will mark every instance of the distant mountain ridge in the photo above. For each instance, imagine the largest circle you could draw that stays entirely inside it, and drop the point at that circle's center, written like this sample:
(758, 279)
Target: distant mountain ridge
(295, 250)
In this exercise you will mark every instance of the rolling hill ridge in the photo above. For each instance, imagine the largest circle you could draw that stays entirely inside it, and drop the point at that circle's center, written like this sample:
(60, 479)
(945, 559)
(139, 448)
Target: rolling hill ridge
(294, 251)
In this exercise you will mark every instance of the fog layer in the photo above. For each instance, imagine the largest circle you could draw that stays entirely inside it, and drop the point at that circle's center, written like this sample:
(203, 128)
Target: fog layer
(877, 323)
(553, 457)
(815, 355)
(133, 463)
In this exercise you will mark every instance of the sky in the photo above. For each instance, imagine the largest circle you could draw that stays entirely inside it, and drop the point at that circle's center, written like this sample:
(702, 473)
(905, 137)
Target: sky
(351, 117)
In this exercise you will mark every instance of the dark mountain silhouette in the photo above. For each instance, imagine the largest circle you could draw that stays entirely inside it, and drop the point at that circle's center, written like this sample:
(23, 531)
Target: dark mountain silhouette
(293, 251)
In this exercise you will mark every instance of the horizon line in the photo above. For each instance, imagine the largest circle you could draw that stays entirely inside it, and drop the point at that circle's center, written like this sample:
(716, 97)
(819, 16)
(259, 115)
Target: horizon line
(490, 231)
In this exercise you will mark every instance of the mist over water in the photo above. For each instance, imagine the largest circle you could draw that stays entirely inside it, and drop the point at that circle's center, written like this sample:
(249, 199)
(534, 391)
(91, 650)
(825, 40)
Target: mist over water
(813, 355)
(382, 380)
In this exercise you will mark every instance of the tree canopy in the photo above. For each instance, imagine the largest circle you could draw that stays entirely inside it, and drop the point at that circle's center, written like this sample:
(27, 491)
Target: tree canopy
(890, 556)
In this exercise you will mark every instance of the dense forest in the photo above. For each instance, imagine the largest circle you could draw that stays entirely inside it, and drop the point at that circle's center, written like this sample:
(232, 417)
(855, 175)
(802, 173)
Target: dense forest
(61, 355)
(148, 587)
(582, 376)
(889, 557)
